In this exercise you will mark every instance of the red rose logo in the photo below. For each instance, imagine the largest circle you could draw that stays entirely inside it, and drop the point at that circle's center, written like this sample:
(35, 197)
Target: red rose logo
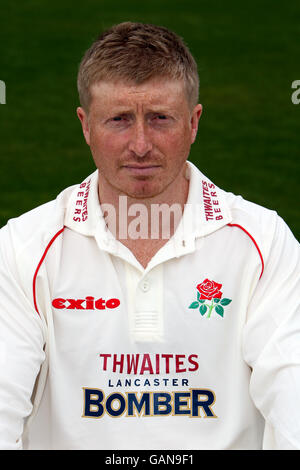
(209, 290)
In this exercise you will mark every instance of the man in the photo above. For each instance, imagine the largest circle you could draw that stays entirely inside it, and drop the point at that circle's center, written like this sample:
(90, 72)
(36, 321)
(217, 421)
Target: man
(146, 296)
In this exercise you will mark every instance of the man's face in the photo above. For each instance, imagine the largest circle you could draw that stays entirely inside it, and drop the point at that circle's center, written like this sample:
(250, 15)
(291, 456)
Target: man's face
(140, 135)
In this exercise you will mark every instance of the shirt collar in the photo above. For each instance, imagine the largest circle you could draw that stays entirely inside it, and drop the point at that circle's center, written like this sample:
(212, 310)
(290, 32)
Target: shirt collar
(206, 211)
(83, 213)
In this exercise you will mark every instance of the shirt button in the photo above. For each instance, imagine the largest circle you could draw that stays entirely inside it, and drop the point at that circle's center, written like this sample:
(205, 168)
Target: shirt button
(145, 286)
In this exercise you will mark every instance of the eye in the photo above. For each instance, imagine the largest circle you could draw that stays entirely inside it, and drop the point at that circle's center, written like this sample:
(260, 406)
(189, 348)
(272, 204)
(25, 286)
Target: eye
(161, 117)
(161, 120)
(119, 121)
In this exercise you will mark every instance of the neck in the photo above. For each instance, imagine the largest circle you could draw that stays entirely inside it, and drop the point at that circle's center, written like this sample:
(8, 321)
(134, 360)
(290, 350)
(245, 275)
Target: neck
(133, 219)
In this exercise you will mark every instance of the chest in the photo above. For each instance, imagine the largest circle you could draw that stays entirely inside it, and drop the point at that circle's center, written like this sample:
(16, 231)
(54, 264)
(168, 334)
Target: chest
(95, 295)
(144, 250)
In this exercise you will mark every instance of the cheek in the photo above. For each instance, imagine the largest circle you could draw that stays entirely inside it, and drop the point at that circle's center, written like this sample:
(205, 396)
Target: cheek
(104, 146)
(178, 143)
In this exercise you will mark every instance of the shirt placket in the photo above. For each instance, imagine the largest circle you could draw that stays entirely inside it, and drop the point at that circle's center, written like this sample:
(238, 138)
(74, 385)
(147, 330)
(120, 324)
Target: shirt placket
(145, 304)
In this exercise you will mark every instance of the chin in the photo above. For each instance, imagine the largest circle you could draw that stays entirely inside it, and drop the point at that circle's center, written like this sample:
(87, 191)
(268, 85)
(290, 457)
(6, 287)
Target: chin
(143, 190)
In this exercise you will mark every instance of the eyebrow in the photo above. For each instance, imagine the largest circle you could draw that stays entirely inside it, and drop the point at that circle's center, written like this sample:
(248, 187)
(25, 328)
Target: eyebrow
(122, 109)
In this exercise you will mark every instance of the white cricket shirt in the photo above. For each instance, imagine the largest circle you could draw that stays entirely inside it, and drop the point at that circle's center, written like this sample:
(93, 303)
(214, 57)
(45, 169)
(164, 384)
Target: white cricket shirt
(200, 350)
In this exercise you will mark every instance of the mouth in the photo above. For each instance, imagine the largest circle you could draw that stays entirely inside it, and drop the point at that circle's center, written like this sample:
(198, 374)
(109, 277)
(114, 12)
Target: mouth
(141, 170)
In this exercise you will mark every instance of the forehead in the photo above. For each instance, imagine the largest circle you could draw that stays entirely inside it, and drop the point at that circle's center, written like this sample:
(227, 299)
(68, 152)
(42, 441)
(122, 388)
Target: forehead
(154, 92)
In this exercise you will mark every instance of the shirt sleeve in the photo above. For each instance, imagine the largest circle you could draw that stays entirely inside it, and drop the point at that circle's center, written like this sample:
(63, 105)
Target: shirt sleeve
(21, 347)
(271, 342)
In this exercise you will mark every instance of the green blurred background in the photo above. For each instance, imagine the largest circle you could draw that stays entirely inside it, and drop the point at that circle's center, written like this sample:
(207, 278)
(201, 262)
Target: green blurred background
(248, 55)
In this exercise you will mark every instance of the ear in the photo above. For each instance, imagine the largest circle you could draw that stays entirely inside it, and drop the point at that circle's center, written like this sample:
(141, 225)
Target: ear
(196, 114)
(83, 117)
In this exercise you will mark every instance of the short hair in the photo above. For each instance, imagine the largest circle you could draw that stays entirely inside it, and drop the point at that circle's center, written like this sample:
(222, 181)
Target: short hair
(137, 52)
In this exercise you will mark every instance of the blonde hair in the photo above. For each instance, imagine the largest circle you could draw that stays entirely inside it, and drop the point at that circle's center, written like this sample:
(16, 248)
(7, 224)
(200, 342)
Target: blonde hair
(137, 52)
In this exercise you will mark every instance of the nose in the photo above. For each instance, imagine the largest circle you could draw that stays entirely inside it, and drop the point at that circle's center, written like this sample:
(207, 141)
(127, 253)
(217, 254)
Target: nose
(140, 142)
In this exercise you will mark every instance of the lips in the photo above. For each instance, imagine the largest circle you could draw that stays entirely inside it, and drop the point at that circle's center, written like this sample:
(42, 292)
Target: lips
(137, 169)
(136, 165)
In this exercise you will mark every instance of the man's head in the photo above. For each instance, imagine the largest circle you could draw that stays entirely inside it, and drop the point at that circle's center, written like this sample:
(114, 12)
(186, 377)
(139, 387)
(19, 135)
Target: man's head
(138, 87)
(135, 53)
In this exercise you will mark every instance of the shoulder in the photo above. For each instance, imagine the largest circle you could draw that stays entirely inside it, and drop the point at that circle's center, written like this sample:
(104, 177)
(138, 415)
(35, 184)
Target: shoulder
(242, 207)
(37, 224)
(252, 216)
(24, 239)
(263, 226)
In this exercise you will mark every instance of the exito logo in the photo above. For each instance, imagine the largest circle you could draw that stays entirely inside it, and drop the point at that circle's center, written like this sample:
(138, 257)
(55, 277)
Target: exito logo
(2, 92)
